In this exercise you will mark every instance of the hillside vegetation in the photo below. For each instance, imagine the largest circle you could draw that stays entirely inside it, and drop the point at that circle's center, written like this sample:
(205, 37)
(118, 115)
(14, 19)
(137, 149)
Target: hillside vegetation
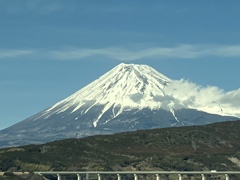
(208, 147)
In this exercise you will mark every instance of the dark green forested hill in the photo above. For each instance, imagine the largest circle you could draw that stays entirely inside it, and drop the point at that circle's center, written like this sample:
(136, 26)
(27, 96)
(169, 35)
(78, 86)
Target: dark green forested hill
(215, 146)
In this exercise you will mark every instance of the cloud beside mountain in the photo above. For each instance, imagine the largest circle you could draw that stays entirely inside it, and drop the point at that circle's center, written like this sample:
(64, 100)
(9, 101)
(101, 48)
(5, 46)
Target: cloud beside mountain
(190, 95)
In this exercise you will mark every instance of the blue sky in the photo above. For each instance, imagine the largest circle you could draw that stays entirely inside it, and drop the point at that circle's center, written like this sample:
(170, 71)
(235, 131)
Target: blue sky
(50, 49)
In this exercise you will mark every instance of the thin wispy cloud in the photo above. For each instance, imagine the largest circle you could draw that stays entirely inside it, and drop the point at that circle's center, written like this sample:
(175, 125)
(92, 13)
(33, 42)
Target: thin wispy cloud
(185, 51)
(12, 53)
(30, 6)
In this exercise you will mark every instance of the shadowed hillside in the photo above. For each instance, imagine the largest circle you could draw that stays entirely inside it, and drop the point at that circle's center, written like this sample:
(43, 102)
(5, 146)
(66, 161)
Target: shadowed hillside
(208, 147)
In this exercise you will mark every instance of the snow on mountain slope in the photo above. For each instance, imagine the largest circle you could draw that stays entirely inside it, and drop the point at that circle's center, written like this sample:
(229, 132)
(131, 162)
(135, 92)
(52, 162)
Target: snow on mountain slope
(127, 98)
(125, 86)
(132, 86)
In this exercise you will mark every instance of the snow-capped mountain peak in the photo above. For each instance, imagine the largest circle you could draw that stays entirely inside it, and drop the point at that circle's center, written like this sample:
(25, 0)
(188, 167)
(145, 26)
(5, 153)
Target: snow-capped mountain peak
(125, 86)
(128, 97)
(128, 87)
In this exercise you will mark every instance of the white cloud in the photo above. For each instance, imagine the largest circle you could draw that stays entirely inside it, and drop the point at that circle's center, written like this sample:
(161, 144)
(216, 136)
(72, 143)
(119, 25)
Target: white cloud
(182, 52)
(232, 97)
(12, 53)
(185, 51)
(192, 93)
(33, 6)
(210, 99)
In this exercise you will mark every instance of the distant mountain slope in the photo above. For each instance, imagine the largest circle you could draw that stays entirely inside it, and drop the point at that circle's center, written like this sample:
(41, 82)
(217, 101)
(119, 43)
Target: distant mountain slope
(207, 147)
(127, 98)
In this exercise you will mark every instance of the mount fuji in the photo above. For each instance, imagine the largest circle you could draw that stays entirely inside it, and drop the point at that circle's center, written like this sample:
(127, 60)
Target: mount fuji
(127, 98)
